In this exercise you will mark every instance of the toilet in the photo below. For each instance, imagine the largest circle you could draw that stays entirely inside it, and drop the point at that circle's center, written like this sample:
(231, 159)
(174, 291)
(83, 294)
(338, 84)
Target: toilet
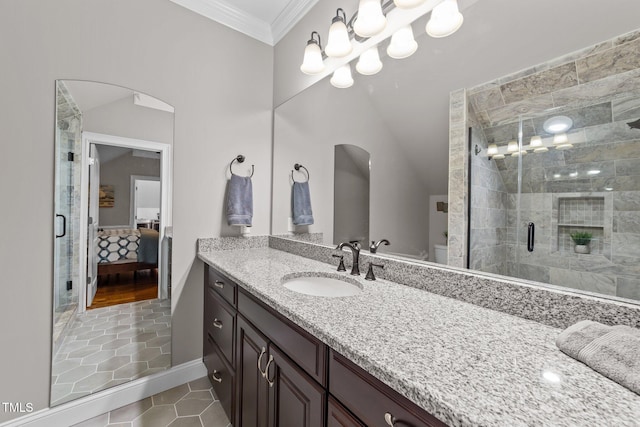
(441, 254)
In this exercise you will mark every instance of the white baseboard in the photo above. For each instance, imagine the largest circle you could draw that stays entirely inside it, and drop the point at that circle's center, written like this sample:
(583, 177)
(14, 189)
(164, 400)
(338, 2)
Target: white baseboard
(99, 403)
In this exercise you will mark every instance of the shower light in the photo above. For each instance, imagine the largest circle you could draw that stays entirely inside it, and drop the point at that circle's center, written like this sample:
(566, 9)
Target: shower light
(403, 44)
(312, 63)
(370, 20)
(339, 44)
(445, 19)
(369, 62)
(557, 124)
(342, 77)
(408, 4)
(512, 146)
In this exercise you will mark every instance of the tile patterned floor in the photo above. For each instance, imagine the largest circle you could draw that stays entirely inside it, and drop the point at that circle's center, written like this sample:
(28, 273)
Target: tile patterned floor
(189, 405)
(110, 346)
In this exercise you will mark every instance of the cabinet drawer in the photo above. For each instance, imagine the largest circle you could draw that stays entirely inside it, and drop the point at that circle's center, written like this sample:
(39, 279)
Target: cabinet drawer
(370, 400)
(302, 347)
(339, 416)
(220, 324)
(222, 285)
(222, 378)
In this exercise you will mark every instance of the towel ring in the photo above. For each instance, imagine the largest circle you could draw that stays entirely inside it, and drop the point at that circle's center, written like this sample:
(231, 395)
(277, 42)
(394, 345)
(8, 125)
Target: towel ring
(240, 159)
(297, 167)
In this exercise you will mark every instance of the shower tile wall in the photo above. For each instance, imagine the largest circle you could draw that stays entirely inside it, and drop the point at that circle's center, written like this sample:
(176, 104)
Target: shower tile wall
(69, 136)
(599, 88)
(488, 199)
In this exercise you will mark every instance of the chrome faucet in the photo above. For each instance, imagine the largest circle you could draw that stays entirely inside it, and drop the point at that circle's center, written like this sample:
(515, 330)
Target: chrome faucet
(355, 251)
(374, 245)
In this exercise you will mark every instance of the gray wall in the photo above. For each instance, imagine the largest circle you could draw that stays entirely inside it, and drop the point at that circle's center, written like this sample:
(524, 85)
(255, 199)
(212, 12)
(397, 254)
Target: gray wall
(118, 173)
(223, 108)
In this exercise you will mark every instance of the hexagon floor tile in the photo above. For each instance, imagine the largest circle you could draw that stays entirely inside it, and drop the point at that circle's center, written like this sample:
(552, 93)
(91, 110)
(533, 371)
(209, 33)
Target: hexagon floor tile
(192, 404)
(111, 345)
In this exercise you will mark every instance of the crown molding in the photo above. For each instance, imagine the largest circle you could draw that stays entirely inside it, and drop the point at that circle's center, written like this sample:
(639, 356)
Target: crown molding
(232, 17)
(292, 13)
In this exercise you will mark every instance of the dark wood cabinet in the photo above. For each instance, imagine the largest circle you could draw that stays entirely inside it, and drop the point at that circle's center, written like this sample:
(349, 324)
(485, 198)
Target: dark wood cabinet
(339, 416)
(253, 389)
(269, 372)
(373, 402)
(294, 398)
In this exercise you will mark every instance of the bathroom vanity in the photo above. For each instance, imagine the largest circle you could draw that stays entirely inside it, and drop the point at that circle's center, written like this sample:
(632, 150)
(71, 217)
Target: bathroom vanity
(389, 355)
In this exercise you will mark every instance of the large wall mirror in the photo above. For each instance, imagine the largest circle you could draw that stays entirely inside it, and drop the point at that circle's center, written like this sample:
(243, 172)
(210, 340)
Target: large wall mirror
(401, 117)
(112, 244)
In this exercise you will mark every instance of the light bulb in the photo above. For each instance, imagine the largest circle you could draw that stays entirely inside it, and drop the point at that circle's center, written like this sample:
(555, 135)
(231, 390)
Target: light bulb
(312, 63)
(342, 77)
(445, 19)
(560, 138)
(371, 20)
(338, 45)
(408, 4)
(536, 141)
(403, 44)
(369, 62)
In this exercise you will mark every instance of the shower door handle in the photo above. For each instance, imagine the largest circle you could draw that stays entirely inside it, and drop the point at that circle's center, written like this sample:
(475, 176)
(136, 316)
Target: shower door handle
(64, 225)
(530, 236)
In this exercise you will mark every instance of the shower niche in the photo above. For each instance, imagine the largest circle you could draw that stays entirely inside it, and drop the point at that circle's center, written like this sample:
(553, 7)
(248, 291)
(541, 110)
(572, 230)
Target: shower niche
(582, 213)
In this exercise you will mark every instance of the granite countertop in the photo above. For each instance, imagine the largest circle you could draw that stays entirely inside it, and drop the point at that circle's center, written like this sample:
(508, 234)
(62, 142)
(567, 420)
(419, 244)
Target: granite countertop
(467, 365)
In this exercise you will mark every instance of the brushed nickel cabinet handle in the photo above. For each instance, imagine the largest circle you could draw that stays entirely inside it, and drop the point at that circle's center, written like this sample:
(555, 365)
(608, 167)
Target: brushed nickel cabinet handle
(216, 378)
(217, 324)
(264, 350)
(389, 419)
(218, 284)
(266, 371)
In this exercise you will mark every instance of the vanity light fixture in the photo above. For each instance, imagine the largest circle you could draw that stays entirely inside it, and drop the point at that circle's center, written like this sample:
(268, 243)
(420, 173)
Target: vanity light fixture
(369, 62)
(608, 188)
(573, 174)
(536, 144)
(445, 19)
(512, 146)
(370, 20)
(498, 156)
(492, 150)
(519, 153)
(403, 44)
(560, 138)
(593, 172)
(339, 44)
(312, 63)
(342, 78)
(407, 4)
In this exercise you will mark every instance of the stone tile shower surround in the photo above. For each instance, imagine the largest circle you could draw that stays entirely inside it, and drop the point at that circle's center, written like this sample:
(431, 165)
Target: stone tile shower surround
(547, 305)
(599, 88)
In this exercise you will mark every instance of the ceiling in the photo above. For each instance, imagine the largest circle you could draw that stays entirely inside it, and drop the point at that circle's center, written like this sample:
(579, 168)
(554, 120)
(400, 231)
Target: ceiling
(264, 20)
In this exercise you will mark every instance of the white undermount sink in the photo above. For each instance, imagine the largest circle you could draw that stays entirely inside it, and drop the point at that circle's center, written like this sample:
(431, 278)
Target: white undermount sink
(322, 286)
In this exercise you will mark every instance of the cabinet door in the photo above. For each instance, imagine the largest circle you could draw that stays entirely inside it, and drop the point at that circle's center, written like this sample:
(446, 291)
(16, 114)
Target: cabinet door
(253, 389)
(339, 416)
(295, 399)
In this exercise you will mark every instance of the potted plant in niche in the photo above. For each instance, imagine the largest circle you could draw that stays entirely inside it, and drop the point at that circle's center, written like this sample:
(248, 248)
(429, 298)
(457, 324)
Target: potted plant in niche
(582, 240)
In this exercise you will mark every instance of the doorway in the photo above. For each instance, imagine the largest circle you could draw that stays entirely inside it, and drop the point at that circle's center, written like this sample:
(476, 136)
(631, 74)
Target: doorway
(126, 189)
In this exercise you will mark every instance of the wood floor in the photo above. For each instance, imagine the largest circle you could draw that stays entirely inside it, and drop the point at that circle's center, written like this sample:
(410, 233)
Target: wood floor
(122, 288)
